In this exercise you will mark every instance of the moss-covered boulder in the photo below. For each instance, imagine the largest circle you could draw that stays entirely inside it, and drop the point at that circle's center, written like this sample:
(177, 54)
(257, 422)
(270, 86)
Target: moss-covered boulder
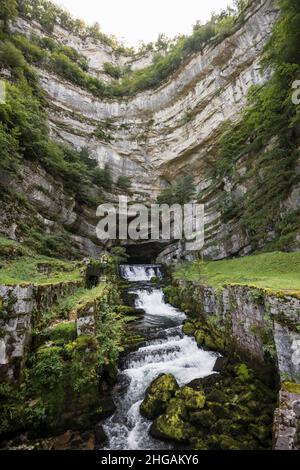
(171, 425)
(192, 399)
(203, 418)
(200, 337)
(175, 423)
(188, 328)
(158, 396)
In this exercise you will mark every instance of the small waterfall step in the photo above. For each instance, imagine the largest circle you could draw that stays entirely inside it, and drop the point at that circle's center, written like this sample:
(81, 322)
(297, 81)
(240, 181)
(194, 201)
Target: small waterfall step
(140, 272)
(167, 350)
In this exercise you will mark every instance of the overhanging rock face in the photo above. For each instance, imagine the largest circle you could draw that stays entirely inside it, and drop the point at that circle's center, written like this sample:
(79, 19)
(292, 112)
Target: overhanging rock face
(152, 141)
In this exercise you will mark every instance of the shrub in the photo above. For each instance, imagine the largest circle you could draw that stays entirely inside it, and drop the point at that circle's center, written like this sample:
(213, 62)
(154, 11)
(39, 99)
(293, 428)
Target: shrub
(48, 368)
(124, 183)
(112, 70)
(181, 192)
(65, 67)
(32, 52)
(9, 149)
(64, 332)
(10, 56)
(102, 177)
(8, 11)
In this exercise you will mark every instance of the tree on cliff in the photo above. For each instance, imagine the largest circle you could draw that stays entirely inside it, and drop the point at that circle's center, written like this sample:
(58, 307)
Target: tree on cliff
(8, 11)
(180, 192)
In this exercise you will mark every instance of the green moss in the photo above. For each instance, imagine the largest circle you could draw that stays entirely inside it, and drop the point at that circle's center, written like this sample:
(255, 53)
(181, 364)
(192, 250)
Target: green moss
(232, 412)
(188, 328)
(192, 399)
(63, 332)
(158, 395)
(200, 337)
(203, 418)
(291, 387)
(243, 372)
(171, 425)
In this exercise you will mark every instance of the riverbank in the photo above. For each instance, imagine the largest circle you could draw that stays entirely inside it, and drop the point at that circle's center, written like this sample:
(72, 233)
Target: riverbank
(249, 308)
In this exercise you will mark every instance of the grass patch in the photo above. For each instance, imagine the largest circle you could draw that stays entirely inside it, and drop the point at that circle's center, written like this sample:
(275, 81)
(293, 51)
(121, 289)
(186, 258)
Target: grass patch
(20, 265)
(66, 305)
(276, 271)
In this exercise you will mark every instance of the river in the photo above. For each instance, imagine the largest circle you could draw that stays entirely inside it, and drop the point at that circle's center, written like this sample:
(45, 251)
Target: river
(167, 350)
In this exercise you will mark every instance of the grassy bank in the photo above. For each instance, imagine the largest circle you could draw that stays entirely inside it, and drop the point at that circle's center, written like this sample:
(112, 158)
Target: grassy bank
(275, 271)
(20, 265)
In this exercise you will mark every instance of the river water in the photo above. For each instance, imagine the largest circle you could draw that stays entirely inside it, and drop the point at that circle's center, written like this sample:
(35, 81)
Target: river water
(168, 350)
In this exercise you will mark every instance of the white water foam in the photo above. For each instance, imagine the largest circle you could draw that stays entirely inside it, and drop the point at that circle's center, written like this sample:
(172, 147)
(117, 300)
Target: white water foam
(153, 303)
(173, 353)
(143, 272)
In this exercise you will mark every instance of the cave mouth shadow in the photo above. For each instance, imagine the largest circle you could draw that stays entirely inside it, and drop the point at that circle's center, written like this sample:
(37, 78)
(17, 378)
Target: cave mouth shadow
(144, 253)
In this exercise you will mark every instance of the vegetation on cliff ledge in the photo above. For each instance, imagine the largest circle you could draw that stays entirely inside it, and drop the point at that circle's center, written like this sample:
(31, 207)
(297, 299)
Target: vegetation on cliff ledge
(261, 150)
(166, 59)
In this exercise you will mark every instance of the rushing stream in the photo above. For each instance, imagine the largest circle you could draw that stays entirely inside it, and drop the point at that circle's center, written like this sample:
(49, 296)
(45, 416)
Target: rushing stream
(168, 350)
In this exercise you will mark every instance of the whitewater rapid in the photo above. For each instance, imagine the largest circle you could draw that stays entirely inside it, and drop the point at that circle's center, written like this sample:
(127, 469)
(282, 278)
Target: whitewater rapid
(168, 351)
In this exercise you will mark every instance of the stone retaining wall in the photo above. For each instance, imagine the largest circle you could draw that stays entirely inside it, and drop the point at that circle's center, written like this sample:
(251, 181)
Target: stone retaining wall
(20, 307)
(261, 326)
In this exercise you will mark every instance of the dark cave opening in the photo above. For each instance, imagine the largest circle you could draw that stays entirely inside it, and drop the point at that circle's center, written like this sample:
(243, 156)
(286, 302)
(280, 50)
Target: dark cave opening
(144, 253)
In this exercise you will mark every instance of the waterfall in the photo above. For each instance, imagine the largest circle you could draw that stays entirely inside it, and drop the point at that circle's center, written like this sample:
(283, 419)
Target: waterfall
(143, 272)
(168, 351)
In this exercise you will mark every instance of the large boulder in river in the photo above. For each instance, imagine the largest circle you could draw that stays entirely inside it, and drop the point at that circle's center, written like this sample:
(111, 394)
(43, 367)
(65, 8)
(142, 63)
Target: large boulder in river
(172, 425)
(158, 395)
(175, 424)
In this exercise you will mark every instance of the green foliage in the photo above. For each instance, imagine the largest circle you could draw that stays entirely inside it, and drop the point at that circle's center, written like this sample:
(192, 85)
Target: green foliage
(57, 244)
(169, 55)
(65, 67)
(63, 374)
(10, 56)
(48, 368)
(243, 372)
(102, 177)
(119, 255)
(64, 332)
(8, 11)
(181, 192)
(266, 140)
(31, 51)
(113, 70)
(9, 149)
(124, 183)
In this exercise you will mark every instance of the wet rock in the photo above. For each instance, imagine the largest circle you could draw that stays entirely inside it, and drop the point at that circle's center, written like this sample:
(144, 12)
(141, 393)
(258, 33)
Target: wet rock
(188, 328)
(171, 425)
(158, 395)
(221, 364)
(204, 418)
(70, 440)
(100, 436)
(192, 399)
(203, 383)
(216, 395)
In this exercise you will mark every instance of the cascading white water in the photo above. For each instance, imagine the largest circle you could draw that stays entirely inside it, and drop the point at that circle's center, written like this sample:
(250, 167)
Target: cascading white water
(169, 351)
(137, 272)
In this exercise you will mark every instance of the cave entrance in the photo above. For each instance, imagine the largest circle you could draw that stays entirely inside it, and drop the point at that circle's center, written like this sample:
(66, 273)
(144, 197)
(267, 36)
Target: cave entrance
(144, 253)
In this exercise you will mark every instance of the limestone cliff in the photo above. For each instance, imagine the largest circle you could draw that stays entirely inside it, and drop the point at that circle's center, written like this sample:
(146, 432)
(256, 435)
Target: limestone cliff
(160, 134)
